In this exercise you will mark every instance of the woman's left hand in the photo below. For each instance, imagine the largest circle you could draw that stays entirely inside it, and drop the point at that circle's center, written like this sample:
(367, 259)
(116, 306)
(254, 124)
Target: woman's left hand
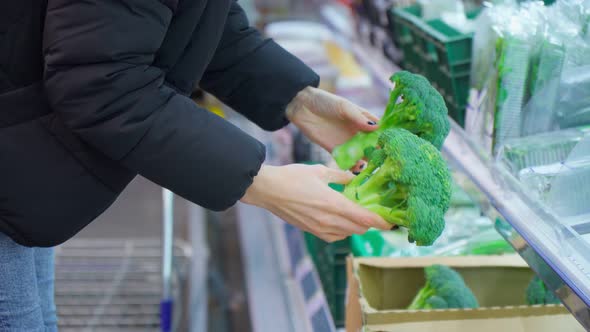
(328, 120)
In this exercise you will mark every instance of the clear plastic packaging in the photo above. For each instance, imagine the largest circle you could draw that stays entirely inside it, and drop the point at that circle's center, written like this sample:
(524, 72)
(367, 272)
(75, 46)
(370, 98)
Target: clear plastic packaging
(553, 168)
(569, 193)
(539, 75)
(513, 67)
(564, 187)
(573, 106)
(542, 149)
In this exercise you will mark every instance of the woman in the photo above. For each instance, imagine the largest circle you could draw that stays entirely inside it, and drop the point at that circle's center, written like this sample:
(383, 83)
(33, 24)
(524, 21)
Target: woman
(94, 92)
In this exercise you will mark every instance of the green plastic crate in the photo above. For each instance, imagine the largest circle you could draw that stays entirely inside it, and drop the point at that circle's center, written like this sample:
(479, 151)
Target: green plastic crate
(330, 262)
(437, 51)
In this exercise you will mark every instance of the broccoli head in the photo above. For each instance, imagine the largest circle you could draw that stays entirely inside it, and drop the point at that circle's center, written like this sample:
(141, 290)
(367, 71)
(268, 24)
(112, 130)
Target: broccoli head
(444, 289)
(413, 105)
(537, 293)
(407, 183)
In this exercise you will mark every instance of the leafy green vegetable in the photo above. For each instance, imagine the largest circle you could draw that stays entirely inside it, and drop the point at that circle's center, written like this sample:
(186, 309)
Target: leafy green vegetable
(413, 105)
(445, 288)
(512, 69)
(407, 183)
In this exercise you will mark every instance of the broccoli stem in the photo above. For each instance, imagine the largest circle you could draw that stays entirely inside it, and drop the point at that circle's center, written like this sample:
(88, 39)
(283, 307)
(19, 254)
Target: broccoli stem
(398, 114)
(369, 189)
(350, 191)
(378, 179)
(374, 198)
(419, 301)
(395, 93)
(391, 105)
(347, 154)
(391, 215)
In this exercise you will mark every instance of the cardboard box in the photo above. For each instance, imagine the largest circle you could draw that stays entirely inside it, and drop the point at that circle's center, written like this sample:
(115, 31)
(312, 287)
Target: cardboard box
(379, 290)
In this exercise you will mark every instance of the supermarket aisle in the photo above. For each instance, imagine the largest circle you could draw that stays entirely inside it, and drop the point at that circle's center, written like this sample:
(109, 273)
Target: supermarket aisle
(108, 278)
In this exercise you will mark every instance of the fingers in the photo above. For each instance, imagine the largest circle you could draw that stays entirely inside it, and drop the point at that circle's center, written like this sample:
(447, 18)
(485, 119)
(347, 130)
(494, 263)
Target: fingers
(359, 167)
(345, 208)
(330, 175)
(370, 116)
(337, 225)
(362, 118)
(331, 237)
(362, 216)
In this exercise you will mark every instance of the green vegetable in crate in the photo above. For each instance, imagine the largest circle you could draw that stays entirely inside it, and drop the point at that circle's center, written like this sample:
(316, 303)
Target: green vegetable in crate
(444, 289)
(407, 183)
(413, 105)
(497, 247)
(537, 293)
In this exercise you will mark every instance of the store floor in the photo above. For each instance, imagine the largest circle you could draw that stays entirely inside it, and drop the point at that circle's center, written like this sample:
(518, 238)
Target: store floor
(108, 277)
(137, 214)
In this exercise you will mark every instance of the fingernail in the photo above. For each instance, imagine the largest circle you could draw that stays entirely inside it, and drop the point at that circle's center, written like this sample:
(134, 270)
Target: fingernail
(372, 123)
(394, 227)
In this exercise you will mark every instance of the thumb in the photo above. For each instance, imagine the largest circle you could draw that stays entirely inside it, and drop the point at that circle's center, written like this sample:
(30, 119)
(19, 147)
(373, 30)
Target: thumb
(331, 175)
(362, 118)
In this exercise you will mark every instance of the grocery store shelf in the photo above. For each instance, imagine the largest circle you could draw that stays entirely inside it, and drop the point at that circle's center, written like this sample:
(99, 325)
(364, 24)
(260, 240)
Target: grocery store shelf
(554, 251)
(280, 276)
(536, 235)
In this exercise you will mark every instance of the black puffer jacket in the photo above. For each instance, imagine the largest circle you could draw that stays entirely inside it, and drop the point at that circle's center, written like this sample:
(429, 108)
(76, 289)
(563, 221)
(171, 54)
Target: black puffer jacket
(94, 92)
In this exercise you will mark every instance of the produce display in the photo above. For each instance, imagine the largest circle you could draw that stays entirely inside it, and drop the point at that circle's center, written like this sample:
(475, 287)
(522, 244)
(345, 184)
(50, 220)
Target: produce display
(413, 105)
(526, 58)
(406, 182)
(444, 289)
(537, 293)
(526, 65)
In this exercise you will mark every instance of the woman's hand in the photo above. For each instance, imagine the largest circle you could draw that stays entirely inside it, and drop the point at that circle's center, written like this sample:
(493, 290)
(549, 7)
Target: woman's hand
(326, 119)
(299, 194)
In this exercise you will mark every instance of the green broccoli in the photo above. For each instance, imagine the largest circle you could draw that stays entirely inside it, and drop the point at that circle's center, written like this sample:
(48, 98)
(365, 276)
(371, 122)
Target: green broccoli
(445, 288)
(537, 293)
(407, 183)
(413, 105)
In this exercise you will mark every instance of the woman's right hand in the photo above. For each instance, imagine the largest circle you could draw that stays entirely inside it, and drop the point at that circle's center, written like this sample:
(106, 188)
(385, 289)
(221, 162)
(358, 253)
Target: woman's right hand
(300, 195)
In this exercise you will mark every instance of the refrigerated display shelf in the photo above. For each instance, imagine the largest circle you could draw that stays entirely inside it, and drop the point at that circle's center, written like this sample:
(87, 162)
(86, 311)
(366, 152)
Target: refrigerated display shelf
(280, 276)
(555, 251)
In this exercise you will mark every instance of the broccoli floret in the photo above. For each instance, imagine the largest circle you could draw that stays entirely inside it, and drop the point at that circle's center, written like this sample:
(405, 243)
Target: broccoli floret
(413, 105)
(537, 293)
(407, 183)
(444, 288)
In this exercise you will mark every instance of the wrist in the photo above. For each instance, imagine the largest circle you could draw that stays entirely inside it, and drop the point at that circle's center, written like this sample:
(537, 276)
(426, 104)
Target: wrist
(257, 193)
(299, 102)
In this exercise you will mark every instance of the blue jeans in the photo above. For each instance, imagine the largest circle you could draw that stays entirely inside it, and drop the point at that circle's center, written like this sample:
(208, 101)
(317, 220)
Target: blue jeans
(26, 288)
